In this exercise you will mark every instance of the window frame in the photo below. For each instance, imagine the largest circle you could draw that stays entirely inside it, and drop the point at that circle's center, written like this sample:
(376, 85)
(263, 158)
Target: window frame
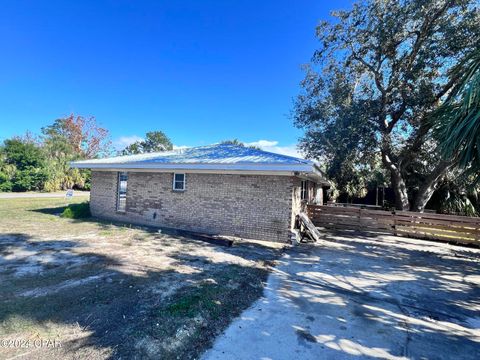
(184, 182)
(119, 193)
(304, 190)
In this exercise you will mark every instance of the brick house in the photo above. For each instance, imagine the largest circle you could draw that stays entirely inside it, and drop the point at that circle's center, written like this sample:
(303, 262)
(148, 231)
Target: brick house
(218, 189)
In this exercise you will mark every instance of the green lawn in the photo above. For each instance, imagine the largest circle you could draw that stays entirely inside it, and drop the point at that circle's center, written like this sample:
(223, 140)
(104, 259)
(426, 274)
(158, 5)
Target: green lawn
(102, 290)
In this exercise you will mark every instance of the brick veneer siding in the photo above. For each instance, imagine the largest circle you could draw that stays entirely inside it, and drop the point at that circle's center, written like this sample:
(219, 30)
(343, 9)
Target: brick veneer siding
(296, 198)
(248, 206)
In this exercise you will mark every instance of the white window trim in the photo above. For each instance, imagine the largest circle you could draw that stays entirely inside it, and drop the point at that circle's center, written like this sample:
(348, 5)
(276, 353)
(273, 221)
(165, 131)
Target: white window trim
(304, 190)
(184, 182)
(118, 192)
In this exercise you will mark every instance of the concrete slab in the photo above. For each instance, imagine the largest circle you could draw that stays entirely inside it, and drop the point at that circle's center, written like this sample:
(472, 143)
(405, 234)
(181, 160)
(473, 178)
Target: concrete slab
(363, 296)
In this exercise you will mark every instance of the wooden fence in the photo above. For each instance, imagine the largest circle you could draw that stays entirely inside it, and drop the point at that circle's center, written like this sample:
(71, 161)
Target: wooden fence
(461, 229)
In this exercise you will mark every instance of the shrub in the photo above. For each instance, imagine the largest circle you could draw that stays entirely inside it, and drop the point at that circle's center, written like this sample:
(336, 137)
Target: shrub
(29, 179)
(458, 205)
(77, 211)
(6, 175)
(6, 185)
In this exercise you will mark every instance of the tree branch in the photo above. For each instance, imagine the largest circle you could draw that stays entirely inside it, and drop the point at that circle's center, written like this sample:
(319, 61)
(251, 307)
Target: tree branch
(423, 33)
(430, 184)
(376, 74)
(416, 144)
(396, 115)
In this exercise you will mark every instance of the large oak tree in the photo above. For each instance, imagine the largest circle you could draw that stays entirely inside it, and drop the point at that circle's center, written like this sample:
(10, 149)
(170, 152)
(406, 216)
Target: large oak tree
(381, 69)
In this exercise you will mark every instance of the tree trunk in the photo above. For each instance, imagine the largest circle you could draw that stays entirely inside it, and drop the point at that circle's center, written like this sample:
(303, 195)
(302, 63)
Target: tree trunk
(399, 187)
(429, 185)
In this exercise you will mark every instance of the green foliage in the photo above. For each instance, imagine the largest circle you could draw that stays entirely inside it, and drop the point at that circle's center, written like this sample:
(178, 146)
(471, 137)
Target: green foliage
(458, 205)
(233, 142)
(7, 172)
(29, 179)
(155, 141)
(29, 164)
(355, 179)
(456, 194)
(69, 139)
(77, 211)
(5, 182)
(22, 166)
(239, 143)
(67, 178)
(380, 70)
(203, 298)
(79, 135)
(132, 149)
(23, 155)
(456, 124)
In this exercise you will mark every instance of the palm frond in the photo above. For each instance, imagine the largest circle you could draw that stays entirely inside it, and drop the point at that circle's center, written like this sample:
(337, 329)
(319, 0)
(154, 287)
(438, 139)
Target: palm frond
(456, 123)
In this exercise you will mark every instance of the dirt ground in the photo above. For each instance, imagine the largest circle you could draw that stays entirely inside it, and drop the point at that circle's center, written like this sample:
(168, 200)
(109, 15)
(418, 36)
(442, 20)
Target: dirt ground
(90, 289)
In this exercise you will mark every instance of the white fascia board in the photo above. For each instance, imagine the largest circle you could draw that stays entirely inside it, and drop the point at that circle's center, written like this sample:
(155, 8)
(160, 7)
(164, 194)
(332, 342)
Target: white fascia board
(226, 172)
(315, 175)
(210, 167)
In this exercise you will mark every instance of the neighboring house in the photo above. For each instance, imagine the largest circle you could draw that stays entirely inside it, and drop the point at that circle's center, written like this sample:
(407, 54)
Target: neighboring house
(218, 189)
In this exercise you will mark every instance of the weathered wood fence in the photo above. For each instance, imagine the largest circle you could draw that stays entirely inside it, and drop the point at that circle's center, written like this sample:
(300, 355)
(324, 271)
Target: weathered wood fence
(461, 229)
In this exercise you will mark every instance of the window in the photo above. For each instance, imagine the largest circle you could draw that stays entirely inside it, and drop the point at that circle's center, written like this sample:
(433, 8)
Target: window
(122, 191)
(179, 182)
(303, 191)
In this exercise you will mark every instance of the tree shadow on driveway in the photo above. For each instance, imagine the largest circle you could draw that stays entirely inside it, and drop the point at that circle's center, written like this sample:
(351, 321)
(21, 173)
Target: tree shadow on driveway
(364, 295)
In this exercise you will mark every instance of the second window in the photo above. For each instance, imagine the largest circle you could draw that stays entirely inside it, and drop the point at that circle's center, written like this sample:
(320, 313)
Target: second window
(179, 182)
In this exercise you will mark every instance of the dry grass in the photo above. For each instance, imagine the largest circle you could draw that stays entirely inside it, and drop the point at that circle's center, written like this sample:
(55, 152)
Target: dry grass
(104, 290)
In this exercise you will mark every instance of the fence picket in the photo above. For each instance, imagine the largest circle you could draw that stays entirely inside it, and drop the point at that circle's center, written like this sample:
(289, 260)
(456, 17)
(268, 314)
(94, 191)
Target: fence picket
(461, 229)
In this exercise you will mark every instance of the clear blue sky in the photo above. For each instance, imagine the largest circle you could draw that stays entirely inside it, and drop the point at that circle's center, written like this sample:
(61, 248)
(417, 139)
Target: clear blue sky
(201, 71)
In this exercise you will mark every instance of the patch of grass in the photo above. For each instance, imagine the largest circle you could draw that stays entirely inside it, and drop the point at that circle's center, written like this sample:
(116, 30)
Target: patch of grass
(125, 310)
(194, 315)
(77, 211)
(184, 306)
(205, 298)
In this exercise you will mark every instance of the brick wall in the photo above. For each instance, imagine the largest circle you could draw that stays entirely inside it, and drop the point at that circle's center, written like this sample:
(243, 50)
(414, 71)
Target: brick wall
(248, 206)
(296, 198)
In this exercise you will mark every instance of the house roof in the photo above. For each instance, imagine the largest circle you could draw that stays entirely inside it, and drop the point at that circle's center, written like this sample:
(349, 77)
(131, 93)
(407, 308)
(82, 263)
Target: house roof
(217, 157)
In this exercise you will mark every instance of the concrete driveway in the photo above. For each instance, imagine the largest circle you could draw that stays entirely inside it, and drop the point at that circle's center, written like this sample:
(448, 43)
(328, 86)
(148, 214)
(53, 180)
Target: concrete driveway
(57, 194)
(363, 296)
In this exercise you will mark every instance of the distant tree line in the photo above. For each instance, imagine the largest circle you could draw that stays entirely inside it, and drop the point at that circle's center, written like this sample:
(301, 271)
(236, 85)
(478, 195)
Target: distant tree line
(238, 143)
(42, 162)
(154, 141)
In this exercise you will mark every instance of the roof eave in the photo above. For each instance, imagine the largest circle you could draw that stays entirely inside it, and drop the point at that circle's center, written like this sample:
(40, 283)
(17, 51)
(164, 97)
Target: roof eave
(186, 166)
(316, 175)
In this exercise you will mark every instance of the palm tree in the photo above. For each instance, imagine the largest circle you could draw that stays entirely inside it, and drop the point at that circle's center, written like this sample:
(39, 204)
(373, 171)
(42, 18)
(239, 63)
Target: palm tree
(456, 123)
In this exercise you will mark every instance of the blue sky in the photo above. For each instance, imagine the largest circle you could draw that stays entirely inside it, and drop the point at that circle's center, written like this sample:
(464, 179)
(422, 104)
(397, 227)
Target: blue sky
(201, 71)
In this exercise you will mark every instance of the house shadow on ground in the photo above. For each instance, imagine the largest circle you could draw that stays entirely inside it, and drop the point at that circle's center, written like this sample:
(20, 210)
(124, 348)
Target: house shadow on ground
(96, 308)
(353, 295)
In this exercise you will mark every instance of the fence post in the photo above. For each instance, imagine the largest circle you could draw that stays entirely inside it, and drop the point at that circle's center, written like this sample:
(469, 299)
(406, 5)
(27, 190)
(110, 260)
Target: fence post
(360, 219)
(394, 223)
